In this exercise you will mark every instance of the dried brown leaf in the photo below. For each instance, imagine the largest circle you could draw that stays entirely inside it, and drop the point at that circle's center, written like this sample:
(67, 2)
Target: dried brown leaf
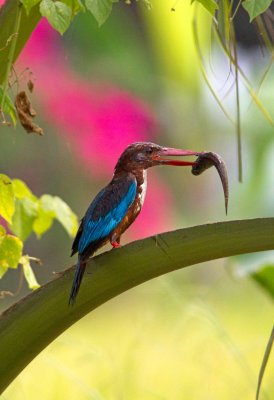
(26, 113)
(30, 85)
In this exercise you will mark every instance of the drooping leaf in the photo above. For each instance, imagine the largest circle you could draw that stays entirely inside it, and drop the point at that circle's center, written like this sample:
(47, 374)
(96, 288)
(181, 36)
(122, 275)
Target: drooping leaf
(23, 218)
(43, 221)
(100, 9)
(62, 212)
(10, 251)
(7, 201)
(58, 14)
(8, 107)
(21, 190)
(210, 5)
(66, 216)
(28, 273)
(28, 4)
(75, 6)
(256, 7)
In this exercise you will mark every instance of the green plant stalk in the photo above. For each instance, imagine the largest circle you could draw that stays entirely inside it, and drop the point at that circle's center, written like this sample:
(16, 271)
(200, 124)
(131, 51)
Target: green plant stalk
(30, 325)
(27, 25)
(264, 362)
(11, 53)
(238, 114)
(245, 80)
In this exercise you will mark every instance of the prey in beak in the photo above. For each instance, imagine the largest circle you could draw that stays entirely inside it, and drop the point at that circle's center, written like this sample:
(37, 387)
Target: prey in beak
(161, 157)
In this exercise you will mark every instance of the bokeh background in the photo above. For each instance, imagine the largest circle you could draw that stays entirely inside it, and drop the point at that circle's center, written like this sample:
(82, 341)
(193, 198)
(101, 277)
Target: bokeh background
(199, 333)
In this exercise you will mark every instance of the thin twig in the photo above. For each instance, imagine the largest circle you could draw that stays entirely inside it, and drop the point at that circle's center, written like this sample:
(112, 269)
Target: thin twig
(264, 362)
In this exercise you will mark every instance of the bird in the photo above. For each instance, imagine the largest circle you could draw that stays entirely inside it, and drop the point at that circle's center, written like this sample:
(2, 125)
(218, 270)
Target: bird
(119, 203)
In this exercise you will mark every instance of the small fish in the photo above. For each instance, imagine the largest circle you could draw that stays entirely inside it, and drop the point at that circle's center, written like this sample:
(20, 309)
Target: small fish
(208, 160)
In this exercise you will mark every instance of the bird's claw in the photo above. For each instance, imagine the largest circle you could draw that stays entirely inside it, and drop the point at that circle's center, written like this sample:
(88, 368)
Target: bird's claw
(115, 244)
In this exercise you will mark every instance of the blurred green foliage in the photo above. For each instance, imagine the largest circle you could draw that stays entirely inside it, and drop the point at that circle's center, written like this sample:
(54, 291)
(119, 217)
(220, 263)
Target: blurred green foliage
(26, 213)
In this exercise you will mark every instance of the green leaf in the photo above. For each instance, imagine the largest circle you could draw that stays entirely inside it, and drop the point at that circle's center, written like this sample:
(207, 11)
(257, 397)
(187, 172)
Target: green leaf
(265, 278)
(58, 14)
(23, 218)
(8, 107)
(7, 201)
(75, 6)
(10, 251)
(21, 190)
(62, 212)
(28, 273)
(28, 4)
(43, 221)
(100, 9)
(210, 5)
(256, 7)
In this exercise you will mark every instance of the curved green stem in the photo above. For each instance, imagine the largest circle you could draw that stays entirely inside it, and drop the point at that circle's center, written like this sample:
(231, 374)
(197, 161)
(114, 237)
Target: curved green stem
(30, 325)
(11, 52)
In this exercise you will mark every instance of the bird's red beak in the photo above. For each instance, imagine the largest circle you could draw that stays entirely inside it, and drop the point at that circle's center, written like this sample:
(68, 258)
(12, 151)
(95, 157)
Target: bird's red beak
(166, 152)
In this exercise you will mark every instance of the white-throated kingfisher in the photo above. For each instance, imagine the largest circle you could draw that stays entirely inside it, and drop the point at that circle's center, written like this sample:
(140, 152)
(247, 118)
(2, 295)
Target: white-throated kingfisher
(117, 205)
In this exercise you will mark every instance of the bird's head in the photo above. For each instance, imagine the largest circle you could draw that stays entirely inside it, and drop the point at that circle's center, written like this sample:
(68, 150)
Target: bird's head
(143, 155)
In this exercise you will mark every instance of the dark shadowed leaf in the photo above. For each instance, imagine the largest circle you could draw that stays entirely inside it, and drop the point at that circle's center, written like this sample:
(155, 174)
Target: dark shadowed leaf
(28, 4)
(8, 107)
(100, 9)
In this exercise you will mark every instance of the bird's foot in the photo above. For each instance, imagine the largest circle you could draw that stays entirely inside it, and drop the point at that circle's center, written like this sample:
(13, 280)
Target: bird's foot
(115, 244)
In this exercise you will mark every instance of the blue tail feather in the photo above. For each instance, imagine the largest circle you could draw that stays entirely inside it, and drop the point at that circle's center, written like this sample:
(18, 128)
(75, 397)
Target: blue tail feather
(79, 273)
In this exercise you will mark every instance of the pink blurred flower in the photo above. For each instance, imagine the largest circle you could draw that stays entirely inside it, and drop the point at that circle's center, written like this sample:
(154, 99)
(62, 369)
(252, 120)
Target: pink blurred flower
(99, 120)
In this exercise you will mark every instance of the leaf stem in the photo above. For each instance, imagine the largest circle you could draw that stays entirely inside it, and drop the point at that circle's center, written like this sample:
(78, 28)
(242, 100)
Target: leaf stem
(11, 53)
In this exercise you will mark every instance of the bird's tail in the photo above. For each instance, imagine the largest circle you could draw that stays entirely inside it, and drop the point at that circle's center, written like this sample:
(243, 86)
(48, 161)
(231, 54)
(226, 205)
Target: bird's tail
(79, 273)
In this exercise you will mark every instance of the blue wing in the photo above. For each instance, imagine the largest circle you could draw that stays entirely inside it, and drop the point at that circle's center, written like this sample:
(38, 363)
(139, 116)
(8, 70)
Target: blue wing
(106, 211)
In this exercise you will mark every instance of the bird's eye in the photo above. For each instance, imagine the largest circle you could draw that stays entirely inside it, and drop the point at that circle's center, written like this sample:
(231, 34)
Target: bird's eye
(149, 150)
